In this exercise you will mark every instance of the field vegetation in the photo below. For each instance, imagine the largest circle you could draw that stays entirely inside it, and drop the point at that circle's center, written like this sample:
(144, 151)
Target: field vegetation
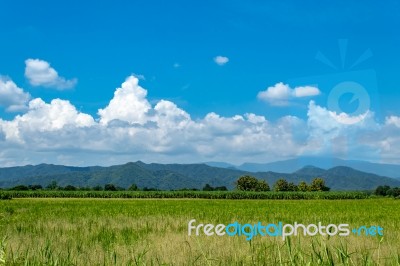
(61, 231)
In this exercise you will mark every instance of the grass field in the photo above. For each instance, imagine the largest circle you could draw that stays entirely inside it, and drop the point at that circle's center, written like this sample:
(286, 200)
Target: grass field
(43, 231)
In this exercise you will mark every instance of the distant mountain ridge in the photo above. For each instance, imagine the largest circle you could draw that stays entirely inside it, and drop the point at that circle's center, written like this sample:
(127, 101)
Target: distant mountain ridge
(178, 176)
(291, 165)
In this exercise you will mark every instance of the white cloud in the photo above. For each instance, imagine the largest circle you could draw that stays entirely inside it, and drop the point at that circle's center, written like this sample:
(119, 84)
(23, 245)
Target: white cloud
(129, 104)
(393, 120)
(42, 117)
(139, 76)
(40, 73)
(280, 94)
(221, 60)
(12, 97)
(305, 91)
(130, 128)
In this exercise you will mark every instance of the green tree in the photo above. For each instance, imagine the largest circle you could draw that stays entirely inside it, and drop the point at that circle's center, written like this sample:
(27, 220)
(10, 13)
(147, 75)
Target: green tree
(35, 187)
(20, 187)
(382, 190)
(133, 187)
(97, 188)
(110, 187)
(53, 185)
(250, 183)
(302, 186)
(393, 192)
(318, 184)
(262, 186)
(70, 188)
(281, 185)
(207, 187)
(292, 187)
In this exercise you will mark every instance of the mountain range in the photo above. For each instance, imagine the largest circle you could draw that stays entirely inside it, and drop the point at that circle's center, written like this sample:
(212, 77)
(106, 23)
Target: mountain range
(291, 165)
(178, 176)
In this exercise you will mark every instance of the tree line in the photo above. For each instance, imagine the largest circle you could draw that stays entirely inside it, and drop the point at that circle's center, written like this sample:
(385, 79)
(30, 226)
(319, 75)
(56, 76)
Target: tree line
(387, 191)
(108, 187)
(244, 183)
(250, 183)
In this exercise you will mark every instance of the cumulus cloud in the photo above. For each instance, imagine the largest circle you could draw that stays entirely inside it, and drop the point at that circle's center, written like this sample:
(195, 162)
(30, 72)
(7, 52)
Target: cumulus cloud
(130, 128)
(44, 117)
(40, 73)
(13, 98)
(221, 60)
(280, 94)
(129, 104)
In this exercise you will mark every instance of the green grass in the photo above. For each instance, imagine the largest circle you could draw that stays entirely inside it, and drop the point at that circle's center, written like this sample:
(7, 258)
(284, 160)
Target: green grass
(44, 231)
(184, 194)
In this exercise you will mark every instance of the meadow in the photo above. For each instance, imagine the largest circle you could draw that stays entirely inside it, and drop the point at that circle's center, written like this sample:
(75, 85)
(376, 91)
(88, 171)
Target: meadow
(112, 231)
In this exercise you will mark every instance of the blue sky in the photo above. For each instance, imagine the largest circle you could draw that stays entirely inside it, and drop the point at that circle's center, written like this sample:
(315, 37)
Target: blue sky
(172, 47)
